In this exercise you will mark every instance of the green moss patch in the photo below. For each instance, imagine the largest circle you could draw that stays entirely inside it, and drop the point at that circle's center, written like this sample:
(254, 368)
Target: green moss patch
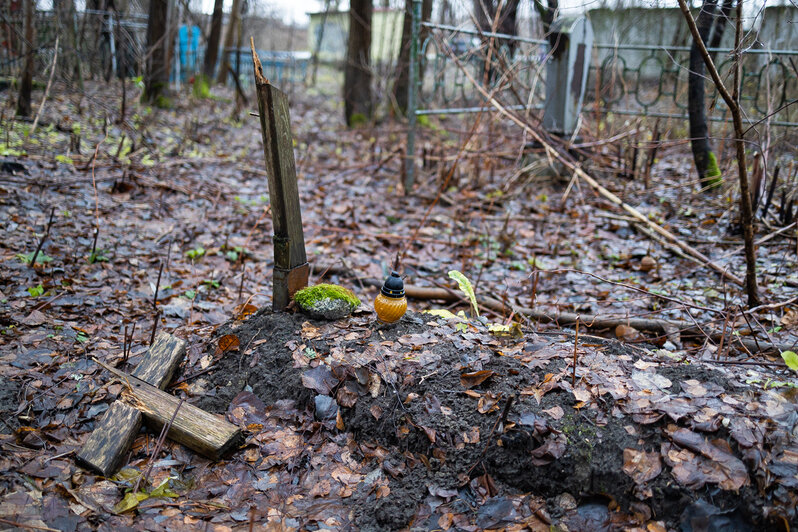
(328, 301)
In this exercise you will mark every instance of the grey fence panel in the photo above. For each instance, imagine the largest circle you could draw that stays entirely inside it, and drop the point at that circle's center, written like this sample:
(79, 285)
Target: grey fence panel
(636, 80)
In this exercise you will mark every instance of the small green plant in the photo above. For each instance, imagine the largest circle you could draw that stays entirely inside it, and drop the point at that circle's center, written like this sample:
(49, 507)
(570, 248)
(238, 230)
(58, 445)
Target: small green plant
(468, 290)
(190, 294)
(211, 283)
(98, 255)
(791, 359)
(41, 258)
(233, 254)
(201, 88)
(195, 253)
(357, 119)
(36, 291)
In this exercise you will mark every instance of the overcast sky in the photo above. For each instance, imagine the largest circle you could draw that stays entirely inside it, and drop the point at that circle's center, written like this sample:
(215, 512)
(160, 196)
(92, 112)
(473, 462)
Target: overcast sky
(296, 10)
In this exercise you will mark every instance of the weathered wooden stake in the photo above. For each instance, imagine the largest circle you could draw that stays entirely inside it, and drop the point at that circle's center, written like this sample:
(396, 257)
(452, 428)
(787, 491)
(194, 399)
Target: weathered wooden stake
(290, 260)
(111, 439)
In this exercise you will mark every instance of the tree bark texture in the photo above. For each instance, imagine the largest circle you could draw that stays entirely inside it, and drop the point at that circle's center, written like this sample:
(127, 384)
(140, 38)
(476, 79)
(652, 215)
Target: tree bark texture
(212, 48)
(65, 18)
(229, 39)
(696, 96)
(358, 103)
(156, 79)
(26, 84)
(546, 11)
(733, 102)
(402, 82)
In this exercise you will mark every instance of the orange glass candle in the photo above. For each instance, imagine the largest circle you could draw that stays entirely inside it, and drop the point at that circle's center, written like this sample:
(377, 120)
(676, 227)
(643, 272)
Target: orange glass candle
(391, 303)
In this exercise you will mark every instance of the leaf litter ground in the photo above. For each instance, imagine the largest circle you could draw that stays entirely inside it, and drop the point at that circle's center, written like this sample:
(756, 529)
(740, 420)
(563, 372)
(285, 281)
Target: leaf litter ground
(647, 438)
(645, 435)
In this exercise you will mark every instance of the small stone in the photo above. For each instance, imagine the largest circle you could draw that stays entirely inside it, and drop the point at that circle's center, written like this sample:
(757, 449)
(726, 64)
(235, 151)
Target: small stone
(326, 407)
(647, 264)
(327, 301)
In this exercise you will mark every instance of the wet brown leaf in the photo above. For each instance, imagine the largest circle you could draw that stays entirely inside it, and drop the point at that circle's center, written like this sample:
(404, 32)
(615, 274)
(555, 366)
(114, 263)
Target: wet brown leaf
(488, 403)
(320, 379)
(628, 334)
(469, 380)
(35, 318)
(228, 342)
(640, 465)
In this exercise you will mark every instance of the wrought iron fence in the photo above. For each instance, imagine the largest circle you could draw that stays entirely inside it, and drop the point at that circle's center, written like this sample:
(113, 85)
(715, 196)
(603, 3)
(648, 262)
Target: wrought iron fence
(278, 67)
(639, 80)
(652, 81)
(451, 57)
(108, 45)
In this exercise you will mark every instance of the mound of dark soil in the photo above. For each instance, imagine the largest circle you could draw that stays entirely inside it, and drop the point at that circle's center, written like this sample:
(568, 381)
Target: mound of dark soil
(466, 416)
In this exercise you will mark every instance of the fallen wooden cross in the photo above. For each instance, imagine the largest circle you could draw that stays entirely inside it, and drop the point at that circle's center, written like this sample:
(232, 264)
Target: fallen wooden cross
(111, 440)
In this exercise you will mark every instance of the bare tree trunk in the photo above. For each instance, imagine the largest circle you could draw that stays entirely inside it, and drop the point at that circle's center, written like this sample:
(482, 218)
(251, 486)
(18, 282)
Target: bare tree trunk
(64, 12)
(212, 47)
(706, 163)
(26, 84)
(733, 102)
(358, 103)
(547, 12)
(229, 38)
(402, 82)
(156, 78)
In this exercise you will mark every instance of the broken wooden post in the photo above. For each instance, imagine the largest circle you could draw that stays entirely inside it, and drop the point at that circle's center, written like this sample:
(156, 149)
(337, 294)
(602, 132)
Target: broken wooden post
(290, 261)
(207, 434)
(112, 437)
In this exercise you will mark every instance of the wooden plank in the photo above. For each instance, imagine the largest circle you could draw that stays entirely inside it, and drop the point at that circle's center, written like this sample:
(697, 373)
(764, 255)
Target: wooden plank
(111, 439)
(207, 434)
(159, 364)
(290, 258)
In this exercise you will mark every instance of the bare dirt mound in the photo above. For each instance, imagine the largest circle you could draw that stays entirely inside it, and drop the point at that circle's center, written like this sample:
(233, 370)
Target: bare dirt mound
(462, 428)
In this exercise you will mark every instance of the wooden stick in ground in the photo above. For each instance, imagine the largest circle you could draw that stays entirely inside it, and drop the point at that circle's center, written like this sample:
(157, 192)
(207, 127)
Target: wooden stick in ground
(577, 169)
(290, 260)
(110, 441)
(46, 90)
(205, 433)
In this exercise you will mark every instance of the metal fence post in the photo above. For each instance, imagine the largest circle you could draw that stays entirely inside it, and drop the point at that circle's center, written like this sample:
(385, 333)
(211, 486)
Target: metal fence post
(410, 156)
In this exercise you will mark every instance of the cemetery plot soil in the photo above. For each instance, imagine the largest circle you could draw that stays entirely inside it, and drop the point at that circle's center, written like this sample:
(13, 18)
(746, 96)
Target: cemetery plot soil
(434, 399)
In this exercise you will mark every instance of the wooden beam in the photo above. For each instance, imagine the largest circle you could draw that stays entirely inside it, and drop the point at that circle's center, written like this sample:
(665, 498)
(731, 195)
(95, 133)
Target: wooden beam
(111, 439)
(290, 260)
(207, 434)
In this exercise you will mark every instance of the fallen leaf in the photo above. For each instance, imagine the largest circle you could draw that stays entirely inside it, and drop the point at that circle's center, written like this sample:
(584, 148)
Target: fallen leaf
(34, 318)
(228, 342)
(469, 380)
(555, 412)
(640, 465)
(319, 379)
(628, 334)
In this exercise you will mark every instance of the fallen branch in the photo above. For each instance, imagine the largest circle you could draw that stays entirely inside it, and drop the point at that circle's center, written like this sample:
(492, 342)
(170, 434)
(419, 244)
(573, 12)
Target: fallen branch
(591, 321)
(568, 162)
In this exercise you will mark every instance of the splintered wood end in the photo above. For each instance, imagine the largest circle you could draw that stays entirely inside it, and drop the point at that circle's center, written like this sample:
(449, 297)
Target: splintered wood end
(259, 78)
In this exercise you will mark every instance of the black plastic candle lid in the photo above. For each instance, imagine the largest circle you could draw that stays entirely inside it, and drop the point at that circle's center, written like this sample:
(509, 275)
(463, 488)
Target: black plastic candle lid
(393, 286)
